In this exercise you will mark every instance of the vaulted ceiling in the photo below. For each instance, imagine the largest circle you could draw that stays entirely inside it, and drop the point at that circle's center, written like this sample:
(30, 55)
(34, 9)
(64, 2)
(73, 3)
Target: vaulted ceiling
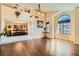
(46, 7)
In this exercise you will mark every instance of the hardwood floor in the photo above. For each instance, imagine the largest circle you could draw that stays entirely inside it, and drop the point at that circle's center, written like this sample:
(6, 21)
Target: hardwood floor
(40, 47)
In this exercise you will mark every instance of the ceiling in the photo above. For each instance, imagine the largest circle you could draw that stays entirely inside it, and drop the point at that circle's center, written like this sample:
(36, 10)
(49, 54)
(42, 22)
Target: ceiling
(46, 7)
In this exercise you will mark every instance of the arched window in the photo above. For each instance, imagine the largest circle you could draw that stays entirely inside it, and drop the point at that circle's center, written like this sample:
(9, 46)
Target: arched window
(64, 24)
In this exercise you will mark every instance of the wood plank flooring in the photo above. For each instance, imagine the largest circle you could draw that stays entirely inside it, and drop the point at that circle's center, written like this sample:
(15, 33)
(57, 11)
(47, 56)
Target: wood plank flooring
(40, 47)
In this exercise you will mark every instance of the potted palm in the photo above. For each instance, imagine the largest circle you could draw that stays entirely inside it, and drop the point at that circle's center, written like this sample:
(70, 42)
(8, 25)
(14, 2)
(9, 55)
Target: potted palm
(17, 13)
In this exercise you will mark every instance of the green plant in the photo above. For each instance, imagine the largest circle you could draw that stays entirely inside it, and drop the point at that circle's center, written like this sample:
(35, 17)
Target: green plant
(1, 33)
(17, 13)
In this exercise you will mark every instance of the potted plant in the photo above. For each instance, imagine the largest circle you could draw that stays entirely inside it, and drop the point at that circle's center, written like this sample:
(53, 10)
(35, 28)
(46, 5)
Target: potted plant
(17, 13)
(1, 33)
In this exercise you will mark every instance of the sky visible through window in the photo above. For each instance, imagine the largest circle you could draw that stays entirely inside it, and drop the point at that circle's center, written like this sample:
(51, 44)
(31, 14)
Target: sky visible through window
(64, 17)
(64, 24)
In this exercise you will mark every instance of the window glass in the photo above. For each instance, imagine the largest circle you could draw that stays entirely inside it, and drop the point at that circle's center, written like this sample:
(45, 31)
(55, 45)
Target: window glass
(64, 24)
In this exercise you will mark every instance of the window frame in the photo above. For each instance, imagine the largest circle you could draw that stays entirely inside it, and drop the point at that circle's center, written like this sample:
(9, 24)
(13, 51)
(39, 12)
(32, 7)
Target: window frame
(62, 25)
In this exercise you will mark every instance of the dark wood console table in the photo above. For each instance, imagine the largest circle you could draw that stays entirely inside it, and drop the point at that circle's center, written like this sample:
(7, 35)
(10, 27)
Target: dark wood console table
(45, 34)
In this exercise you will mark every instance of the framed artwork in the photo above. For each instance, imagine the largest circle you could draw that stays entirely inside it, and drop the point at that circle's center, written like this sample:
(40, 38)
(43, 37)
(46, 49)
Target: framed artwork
(40, 24)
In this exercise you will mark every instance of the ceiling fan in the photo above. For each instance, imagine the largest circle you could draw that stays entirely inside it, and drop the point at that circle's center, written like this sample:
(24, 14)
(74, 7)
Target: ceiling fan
(39, 11)
(38, 8)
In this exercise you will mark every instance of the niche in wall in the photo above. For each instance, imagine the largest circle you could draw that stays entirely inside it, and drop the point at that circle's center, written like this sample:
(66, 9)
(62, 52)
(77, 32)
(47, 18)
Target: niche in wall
(40, 24)
(16, 29)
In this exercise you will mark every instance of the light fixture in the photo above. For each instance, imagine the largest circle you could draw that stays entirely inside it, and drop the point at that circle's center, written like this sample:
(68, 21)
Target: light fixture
(43, 14)
(31, 11)
(39, 11)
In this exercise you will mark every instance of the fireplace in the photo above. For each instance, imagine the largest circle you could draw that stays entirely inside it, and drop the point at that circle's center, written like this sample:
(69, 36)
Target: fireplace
(16, 29)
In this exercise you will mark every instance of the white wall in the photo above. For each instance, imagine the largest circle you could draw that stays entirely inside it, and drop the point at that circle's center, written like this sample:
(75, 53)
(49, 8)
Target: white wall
(54, 17)
(49, 18)
(76, 25)
(0, 17)
(7, 15)
(0, 20)
(74, 16)
(65, 36)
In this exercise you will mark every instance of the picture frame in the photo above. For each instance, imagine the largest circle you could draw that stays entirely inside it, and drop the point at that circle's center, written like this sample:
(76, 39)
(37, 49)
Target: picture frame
(40, 24)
